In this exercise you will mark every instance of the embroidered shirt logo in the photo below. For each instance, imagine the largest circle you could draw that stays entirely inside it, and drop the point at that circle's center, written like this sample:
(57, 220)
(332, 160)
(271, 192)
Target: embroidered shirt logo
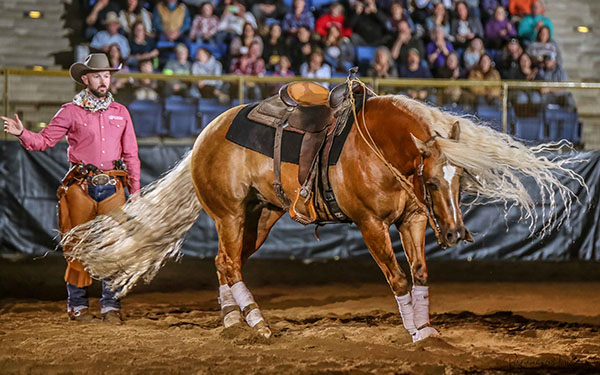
(112, 117)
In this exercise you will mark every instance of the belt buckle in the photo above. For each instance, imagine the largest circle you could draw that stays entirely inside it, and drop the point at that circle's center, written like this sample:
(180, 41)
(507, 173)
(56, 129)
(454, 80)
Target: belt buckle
(100, 179)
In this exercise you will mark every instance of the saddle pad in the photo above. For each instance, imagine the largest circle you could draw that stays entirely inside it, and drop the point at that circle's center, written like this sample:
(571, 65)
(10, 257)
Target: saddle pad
(261, 138)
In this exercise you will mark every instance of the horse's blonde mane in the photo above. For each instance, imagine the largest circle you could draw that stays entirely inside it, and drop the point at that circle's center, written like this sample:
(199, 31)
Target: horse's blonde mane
(499, 163)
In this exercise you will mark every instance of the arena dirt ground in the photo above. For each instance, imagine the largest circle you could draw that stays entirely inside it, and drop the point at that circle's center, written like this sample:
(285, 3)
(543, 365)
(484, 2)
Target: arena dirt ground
(327, 318)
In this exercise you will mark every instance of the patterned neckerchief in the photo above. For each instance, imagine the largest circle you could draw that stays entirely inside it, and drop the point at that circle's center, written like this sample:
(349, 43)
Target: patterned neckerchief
(89, 102)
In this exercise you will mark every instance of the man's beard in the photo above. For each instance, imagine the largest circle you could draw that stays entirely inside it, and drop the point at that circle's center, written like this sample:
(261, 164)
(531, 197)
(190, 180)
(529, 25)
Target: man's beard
(99, 94)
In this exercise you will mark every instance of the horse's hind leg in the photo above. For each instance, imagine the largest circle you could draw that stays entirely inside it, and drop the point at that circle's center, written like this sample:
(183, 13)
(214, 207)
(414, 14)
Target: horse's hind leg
(238, 239)
(412, 233)
(377, 237)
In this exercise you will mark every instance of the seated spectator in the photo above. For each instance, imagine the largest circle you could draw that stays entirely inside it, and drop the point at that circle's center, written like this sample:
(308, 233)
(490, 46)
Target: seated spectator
(232, 22)
(180, 65)
(146, 89)
(274, 47)
(398, 14)
(552, 72)
(499, 30)
(315, 68)
(439, 18)
(465, 27)
(519, 8)
(532, 23)
(204, 27)
(367, 24)
(171, 20)
(473, 54)
(104, 39)
(334, 17)
(282, 70)
(527, 72)
(206, 65)
(263, 9)
(414, 69)
(544, 46)
(116, 60)
(299, 16)
(451, 70)
(240, 44)
(485, 71)
(142, 47)
(509, 65)
(301, 47)
(404, 42)
(488, 9)
(134, 13)
(339, 51)
(438, 49)
(420, 11)
(382, 65)
(250, 64)
(94, 12)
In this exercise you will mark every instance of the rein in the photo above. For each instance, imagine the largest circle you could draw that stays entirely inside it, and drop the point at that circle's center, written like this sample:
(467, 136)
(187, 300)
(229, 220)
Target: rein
(429, 202)
(403, 180)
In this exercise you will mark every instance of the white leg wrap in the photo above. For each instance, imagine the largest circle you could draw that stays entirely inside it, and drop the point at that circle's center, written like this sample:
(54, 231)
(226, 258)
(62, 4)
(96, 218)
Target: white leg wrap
(407, 313)
(233, 316)
(225, 296)
(420, 302)
(243, 298)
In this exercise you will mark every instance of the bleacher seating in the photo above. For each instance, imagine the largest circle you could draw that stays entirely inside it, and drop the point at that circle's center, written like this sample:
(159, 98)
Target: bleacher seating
(562, 123)
(529, 128)
(182, 117)
(147, 117)
(209, 109)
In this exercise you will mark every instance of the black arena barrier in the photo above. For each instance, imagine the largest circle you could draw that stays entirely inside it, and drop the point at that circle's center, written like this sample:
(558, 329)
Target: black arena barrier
(28, 219)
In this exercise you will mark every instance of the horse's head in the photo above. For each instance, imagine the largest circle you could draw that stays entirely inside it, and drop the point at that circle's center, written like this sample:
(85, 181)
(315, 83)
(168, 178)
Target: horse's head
(439, 182)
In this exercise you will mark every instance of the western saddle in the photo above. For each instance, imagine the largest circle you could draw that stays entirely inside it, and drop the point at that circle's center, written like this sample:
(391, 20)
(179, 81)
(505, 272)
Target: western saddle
(319, 115)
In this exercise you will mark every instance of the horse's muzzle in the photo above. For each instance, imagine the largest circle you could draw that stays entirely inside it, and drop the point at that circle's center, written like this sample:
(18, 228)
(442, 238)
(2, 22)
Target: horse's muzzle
(451, 236)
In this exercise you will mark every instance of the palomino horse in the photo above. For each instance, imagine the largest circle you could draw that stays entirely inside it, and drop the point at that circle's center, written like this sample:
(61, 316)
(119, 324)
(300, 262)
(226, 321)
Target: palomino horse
(424, 152)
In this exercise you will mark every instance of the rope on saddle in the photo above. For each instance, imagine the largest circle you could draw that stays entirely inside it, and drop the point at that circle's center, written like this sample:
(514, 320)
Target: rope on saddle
(402, 179)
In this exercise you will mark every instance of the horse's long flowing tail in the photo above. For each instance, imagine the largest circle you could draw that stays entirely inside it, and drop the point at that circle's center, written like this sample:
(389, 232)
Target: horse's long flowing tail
(134, 242)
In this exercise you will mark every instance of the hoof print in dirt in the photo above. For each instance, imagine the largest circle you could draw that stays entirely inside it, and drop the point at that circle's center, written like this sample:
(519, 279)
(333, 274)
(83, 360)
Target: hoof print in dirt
(243, 335)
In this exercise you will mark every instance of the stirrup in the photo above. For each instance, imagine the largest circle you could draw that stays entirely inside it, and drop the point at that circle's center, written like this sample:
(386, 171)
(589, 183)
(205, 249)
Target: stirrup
(302, 219)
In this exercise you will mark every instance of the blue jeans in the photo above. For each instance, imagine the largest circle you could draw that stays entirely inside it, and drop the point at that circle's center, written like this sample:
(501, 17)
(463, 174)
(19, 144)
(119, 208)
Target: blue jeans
(78, 297)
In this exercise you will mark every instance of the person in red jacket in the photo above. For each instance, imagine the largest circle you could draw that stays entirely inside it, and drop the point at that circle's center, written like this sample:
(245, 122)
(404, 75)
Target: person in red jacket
(334, 17)
(519, 8)
(104, 160)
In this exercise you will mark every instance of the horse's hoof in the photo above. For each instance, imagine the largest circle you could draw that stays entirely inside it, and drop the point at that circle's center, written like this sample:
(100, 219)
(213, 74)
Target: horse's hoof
(232, 319)
(424, 333)
(263, 330)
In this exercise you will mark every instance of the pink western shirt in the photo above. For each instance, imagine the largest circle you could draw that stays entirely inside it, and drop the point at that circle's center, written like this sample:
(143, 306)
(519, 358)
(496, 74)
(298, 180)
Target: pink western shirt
(96, 138)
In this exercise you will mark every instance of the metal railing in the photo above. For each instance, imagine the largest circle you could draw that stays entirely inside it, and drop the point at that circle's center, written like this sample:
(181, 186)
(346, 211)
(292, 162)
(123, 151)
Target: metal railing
(375, 83)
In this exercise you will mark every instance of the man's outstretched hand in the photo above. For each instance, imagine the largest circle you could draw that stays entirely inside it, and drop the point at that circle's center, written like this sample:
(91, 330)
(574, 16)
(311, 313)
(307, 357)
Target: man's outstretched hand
(13, 126)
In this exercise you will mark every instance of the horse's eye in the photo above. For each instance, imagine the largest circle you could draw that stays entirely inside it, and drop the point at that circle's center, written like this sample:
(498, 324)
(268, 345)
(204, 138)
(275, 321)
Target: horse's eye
(431, 186)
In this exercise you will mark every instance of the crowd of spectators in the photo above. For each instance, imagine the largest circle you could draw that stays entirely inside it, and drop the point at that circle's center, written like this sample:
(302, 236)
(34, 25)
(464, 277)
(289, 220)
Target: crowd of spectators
(471, 39)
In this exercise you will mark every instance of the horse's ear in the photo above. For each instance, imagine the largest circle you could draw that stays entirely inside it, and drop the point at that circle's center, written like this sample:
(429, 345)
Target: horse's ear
(468, 236)
(455, 131)
(421, 146)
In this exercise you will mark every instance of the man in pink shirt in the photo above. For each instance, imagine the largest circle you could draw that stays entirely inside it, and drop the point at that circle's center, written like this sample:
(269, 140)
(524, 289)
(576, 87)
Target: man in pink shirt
(101, 137)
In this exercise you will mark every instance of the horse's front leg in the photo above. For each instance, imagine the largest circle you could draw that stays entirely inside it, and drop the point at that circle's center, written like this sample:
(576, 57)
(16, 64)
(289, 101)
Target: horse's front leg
(377, 237)
(412, 233)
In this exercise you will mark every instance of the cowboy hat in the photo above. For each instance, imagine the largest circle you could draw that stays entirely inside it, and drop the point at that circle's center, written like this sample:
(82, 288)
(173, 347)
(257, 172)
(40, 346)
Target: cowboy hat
(95, 62)
(111, 17)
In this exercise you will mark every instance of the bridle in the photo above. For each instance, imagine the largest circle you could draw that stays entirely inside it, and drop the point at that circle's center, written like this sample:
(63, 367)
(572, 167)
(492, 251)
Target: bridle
(429, 202)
